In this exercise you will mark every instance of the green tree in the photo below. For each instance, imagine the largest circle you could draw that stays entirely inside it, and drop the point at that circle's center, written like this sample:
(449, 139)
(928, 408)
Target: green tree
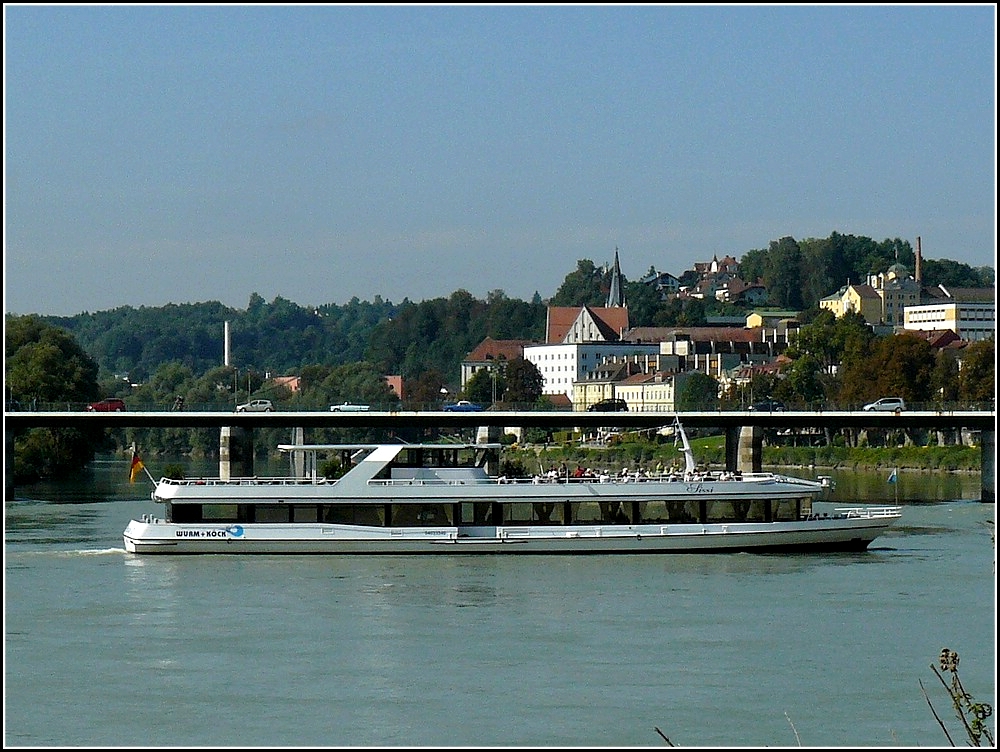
(44, 364)
(803, 382)
(487, 386)
(783, 273)
(356, 382)
(944, 378)
(524, 382)
(977, 379)
(897, 365)
(826, 338)
(682, 312)
(643, 303)
(950, 273)
(586, 285)
(424, 391)
(699, 392)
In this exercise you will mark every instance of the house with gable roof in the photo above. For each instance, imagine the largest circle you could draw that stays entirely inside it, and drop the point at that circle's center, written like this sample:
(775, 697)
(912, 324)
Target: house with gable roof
(577, 341)
(491, 352)
(862, 299)
(579, 338)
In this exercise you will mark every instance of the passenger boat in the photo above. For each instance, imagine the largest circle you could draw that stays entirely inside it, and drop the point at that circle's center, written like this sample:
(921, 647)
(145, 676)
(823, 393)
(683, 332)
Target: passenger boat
(450, 499)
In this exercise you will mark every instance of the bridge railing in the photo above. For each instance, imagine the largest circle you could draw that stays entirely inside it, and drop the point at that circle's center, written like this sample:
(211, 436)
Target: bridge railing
(66, 406)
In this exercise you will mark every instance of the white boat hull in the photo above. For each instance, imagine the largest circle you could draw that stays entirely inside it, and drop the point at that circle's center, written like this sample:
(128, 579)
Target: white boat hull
(830, 534)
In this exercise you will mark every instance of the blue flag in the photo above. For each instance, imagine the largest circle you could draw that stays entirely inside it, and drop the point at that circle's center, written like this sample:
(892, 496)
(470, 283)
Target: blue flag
(892, 476)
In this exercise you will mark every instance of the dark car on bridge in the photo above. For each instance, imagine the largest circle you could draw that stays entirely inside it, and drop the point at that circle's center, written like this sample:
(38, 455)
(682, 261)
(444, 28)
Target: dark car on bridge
(109, 405)
(609, 406)
(768, 406)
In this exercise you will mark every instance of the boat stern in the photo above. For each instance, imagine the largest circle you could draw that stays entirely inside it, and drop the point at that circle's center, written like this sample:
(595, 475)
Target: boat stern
(143, 534)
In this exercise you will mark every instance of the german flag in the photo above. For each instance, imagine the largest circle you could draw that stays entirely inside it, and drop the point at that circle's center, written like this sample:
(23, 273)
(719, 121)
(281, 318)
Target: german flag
(136, 468)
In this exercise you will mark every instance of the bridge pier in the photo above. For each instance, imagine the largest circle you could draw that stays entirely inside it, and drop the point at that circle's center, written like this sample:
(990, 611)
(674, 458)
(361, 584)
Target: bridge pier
(988, 447)
(297, 460)
(8, 465)
(235, 452)
(744, 448)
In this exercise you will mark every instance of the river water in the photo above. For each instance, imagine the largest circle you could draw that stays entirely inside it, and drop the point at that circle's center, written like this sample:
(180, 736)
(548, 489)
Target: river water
(103, 648)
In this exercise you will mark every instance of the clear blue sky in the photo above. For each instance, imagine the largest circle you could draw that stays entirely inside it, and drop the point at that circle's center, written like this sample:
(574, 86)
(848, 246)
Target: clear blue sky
(171, 154)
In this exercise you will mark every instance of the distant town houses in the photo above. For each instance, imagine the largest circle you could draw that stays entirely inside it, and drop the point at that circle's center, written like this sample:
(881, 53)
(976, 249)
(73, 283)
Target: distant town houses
(664, 283)
(894, 301)
(591, 354)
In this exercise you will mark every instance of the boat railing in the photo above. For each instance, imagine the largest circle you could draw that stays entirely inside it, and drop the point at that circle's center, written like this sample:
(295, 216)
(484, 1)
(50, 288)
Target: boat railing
(547, 478)
(245, 481)
(860, 513)
(870, 513)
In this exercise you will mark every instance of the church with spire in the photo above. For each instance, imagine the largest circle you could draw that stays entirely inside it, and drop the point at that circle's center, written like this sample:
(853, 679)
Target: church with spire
(616, 295)
(578, 340)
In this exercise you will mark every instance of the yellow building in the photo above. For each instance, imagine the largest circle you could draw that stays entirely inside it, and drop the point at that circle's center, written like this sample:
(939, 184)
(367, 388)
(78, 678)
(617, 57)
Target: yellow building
(881, 301)
(863, 299)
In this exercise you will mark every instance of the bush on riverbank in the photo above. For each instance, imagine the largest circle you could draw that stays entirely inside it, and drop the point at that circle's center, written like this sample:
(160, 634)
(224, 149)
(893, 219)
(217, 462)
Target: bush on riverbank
(949, 458)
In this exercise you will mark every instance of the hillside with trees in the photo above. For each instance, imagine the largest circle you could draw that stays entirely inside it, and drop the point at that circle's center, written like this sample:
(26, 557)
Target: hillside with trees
(150, 356)
(411, 338)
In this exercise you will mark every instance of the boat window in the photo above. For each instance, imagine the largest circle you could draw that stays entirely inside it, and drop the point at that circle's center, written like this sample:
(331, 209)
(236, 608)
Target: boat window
(369, 514)
(805, 506)
(184, 513)
(735, 511)
(305, 513)
(534, 513)
(475, 513)
(785, 510)
(584, 512)
(339, 513)
(218, 513)
(272, 513)
(518, 513)
(601, 512)
(421, 515)
(354, 514)
(669, 511)
(548, 513)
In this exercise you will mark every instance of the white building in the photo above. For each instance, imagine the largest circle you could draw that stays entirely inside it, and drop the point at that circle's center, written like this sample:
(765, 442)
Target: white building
(970, 321)
(562, 365)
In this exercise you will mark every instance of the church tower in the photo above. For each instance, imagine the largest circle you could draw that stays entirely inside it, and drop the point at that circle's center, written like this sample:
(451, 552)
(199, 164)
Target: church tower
(616, 295)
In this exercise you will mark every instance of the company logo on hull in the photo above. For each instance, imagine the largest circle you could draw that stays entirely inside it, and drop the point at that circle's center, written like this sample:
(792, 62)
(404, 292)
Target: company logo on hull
(233, 531)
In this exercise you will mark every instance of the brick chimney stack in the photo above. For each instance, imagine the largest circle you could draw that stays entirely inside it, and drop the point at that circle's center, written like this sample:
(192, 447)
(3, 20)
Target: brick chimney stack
(916, 270)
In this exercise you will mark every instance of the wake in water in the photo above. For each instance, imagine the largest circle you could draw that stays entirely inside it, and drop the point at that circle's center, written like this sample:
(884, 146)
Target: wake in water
(91, 552)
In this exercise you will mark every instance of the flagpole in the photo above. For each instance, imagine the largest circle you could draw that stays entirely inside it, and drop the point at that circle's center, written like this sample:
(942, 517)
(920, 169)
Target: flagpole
(145, 469)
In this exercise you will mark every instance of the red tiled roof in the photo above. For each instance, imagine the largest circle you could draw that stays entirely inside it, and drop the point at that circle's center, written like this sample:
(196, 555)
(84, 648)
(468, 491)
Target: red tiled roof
(938, 338)
(559, 400)
(495, 349)
(560, 320)
(638, 378)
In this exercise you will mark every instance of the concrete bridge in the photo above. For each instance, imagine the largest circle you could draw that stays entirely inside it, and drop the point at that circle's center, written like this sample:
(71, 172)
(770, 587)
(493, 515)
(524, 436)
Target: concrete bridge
(743, 429)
